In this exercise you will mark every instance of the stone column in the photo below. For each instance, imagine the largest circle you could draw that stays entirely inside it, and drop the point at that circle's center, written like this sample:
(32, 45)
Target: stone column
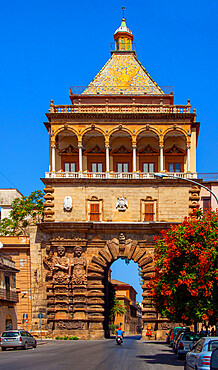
(134, 158)
(107, 158)
(80, 157)
(161, 157)
(188, 158)
(53, 158)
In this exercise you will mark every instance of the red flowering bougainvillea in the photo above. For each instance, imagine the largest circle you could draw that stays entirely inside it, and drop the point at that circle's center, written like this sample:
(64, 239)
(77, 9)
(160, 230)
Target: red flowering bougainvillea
(184, 287)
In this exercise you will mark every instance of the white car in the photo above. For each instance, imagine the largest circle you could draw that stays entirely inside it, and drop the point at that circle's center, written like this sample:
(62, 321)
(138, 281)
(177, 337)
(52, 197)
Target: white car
(16, 339)
(199, 357)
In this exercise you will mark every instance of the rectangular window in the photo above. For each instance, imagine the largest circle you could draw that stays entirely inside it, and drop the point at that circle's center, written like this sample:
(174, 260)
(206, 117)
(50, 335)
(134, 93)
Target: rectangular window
(206, 204)
(149, 212)
(148, 167)
(122, 167)
(94, 212)
(69, 167)
(97, 167)
(174, 167)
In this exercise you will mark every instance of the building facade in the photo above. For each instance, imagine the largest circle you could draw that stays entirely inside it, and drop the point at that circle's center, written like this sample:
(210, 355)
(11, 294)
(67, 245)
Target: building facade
(7, 196)
(130, 322)
(8, 294)
(18, 248)
(103, 201)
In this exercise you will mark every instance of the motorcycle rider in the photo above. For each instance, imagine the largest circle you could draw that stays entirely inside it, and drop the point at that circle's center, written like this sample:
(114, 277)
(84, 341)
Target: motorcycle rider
(119, 333)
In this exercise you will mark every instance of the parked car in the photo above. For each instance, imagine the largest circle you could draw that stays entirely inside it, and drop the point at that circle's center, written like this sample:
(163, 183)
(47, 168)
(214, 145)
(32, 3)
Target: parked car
(184, 341)
(199, 357)
(17, 338)
(214, 360)
(173, 334)
(177, 337)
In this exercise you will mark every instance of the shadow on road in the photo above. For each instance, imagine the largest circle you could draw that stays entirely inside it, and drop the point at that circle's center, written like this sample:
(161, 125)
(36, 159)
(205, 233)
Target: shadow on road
(163, 359)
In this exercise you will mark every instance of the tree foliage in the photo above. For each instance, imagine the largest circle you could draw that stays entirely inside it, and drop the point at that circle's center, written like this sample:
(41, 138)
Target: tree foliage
(185, 284)
(118, 308)
(25, 211)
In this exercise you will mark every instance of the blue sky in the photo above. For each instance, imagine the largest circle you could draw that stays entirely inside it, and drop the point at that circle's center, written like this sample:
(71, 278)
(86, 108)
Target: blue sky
(47, 46)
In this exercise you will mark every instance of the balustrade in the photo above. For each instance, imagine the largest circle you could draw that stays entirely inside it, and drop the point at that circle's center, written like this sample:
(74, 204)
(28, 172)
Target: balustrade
(8, 295)
(120, 108)
(118, 175)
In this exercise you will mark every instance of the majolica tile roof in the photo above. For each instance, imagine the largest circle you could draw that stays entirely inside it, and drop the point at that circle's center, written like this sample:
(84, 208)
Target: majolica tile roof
(123, 73)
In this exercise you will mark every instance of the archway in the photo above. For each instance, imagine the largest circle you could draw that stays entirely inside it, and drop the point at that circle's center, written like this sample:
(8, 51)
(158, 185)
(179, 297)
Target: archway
(98, 305)
(8, 323)
(123, 298)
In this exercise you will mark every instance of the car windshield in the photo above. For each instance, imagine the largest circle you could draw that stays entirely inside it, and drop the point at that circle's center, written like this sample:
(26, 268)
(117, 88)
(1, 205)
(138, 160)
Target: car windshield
(10, 334)
(191, 337)
(212, 345)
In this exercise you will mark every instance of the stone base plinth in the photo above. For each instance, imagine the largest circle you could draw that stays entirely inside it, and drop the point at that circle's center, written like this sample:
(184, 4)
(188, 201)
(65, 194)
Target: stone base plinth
(96, 334)
(81, 334)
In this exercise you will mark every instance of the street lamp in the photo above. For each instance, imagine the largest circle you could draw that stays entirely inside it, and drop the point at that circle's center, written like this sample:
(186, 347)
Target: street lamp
(164, 175)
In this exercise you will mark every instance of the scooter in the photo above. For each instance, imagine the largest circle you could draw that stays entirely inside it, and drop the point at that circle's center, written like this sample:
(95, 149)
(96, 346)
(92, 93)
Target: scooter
(119, 340)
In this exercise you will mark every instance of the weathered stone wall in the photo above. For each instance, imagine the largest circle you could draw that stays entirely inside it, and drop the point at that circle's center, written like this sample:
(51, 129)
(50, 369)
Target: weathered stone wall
(69, 270)
(171, 200)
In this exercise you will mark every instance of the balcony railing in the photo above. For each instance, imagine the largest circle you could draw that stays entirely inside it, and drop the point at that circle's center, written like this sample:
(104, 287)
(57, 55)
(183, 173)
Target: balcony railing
(8, 295)
(120, 108)
(116, 175)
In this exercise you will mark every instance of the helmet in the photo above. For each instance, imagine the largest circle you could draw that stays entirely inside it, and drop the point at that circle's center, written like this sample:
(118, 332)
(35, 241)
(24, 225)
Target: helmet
(119, 328)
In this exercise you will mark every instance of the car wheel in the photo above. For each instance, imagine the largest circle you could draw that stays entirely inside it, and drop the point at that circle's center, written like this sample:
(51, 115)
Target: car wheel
(25, 345)
(35, 344)
(3, 349)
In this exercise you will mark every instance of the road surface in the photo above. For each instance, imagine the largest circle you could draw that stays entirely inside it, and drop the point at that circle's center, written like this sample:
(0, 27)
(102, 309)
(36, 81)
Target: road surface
(93, 355)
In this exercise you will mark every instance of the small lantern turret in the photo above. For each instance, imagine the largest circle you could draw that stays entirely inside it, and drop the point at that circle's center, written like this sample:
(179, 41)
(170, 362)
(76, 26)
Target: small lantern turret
(123, 37)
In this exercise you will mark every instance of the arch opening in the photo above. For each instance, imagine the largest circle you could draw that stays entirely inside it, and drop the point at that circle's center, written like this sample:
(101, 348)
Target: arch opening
(122, 288)
(98, 280)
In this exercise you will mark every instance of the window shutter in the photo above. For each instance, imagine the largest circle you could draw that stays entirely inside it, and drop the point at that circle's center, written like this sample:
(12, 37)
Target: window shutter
(94, 212)
(149, 212)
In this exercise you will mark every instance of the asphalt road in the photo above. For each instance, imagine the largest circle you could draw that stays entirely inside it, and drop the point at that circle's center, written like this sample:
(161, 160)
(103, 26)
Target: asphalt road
(93, 355)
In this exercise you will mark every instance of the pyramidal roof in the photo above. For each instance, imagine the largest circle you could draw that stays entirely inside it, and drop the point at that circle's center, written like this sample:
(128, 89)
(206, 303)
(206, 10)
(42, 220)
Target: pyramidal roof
(123, 73)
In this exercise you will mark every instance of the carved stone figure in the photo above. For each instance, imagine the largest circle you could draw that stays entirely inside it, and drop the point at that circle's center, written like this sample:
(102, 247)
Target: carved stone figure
(48, 259)
(68, 203)
(78, 263)
(122, 204)
(61, 267)
(122, 238)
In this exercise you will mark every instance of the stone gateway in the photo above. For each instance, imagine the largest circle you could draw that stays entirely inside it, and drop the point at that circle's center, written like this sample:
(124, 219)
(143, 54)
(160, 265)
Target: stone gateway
(103, 201)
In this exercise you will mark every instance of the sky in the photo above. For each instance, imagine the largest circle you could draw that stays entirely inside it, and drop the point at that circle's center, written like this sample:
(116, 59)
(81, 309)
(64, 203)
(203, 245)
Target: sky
(47, 46)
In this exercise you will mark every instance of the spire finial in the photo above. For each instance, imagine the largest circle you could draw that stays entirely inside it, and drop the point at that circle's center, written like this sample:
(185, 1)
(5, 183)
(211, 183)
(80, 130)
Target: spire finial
(123, 8)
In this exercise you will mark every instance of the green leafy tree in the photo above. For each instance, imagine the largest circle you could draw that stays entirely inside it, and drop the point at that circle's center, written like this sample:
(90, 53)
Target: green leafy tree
(118, 308)
(184, 287)
(25, 211)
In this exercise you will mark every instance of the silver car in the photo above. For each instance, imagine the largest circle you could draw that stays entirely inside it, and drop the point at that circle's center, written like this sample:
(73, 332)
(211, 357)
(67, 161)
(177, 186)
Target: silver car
(199, 357)
(17, 338)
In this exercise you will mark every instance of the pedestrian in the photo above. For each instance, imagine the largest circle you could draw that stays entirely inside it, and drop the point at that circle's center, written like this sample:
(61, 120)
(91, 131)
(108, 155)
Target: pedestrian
(212, 333)
(149, 334)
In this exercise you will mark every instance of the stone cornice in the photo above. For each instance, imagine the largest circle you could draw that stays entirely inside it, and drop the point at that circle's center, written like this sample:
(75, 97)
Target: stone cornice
(108, 182)
(116, 116)
(93, 227)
